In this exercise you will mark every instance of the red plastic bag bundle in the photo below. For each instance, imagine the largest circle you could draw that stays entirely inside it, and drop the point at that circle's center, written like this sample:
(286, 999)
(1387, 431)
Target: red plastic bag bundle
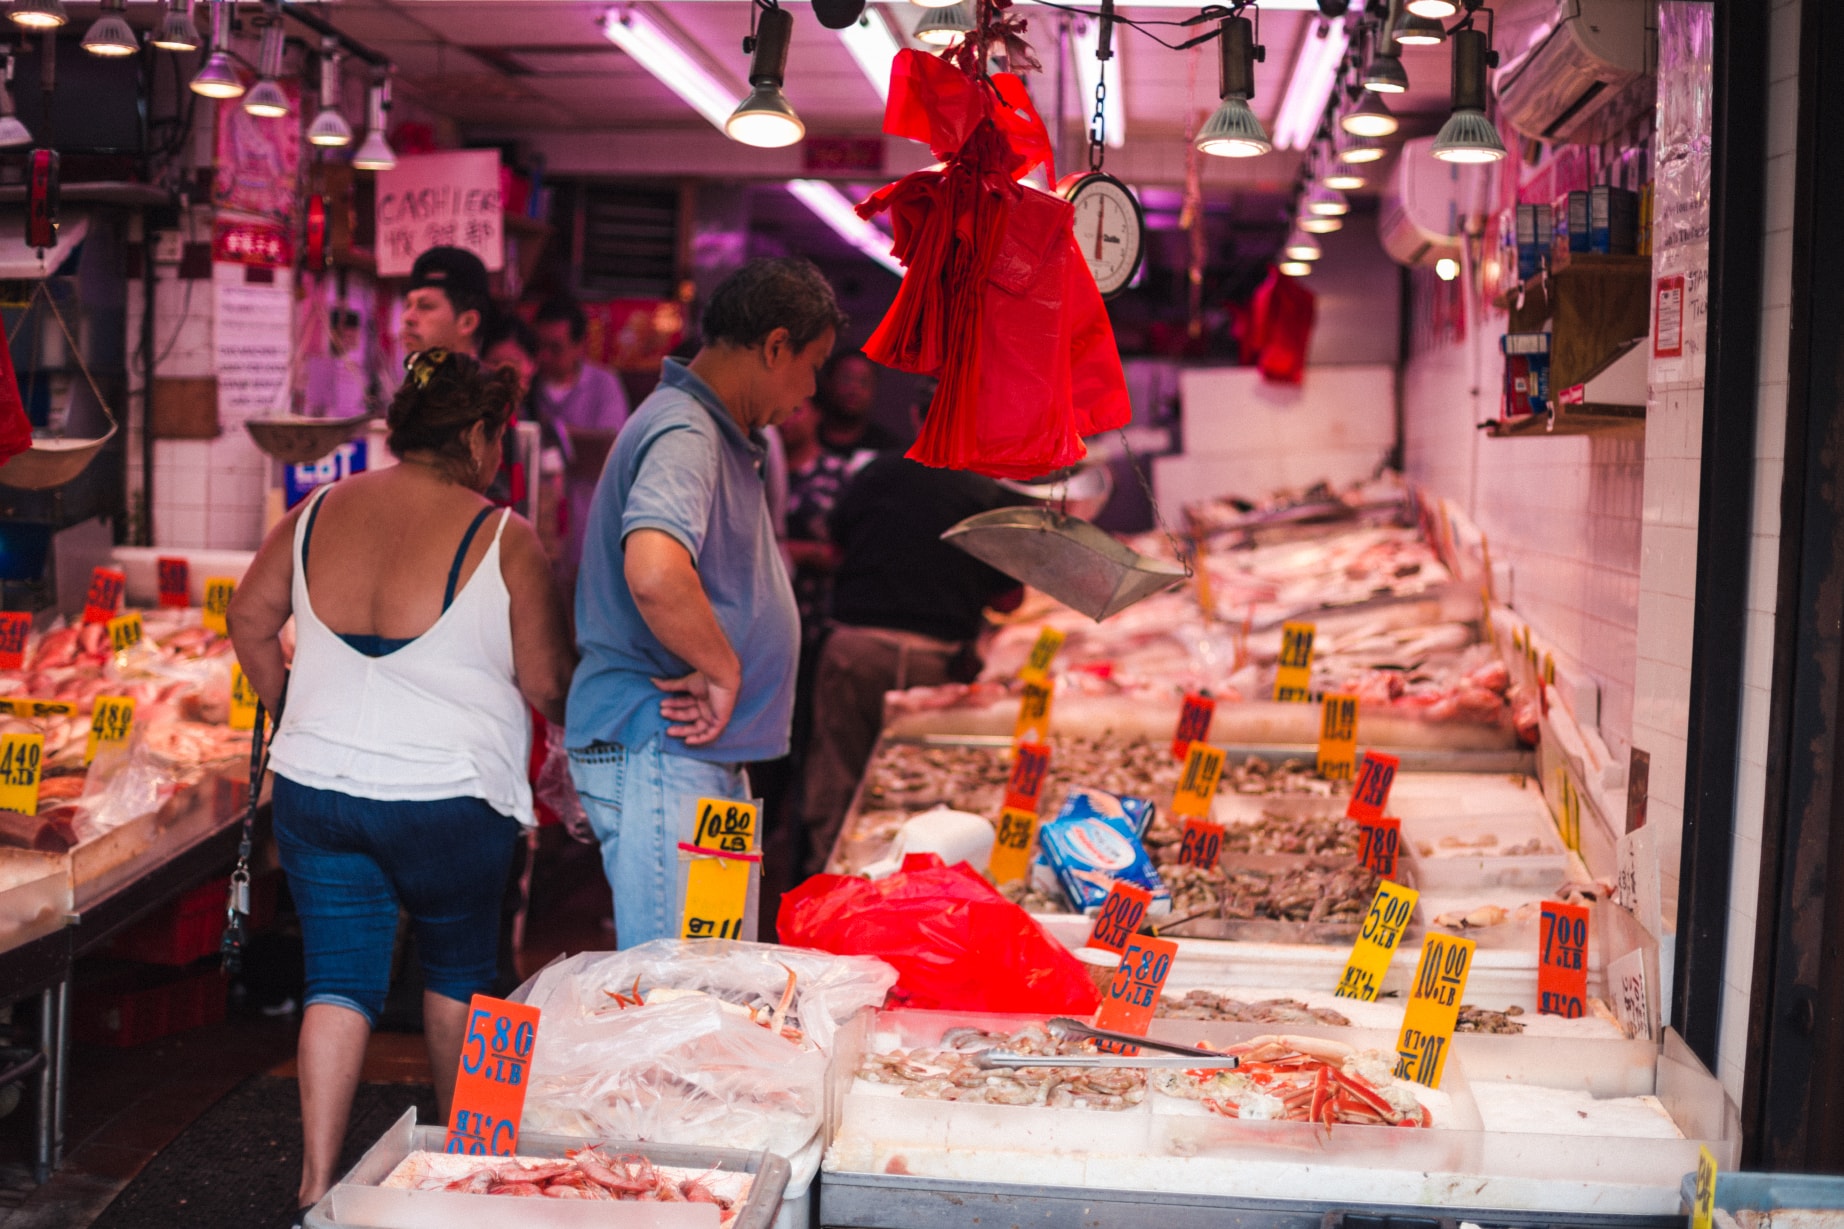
(996, 301)
(1275, 329)
(955, 943)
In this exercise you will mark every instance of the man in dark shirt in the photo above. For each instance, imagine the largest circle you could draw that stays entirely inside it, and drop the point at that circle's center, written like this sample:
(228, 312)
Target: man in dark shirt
(847, 394)
(907, 611)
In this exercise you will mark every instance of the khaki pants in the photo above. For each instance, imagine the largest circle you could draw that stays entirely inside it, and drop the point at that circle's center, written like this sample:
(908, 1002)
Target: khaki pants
(857, 666)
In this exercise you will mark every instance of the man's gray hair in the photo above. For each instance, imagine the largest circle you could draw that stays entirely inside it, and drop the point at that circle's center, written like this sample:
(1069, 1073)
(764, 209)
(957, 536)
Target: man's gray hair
(764, 295)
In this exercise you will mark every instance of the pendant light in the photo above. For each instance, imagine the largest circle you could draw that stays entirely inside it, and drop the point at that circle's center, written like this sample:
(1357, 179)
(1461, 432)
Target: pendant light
(1371, 117)
(944, 27)
(1439, 10)
(1320, 223)
(766, 119)
(374, 152)
(1301, 246)
(1352, 150)
(934, 4)
(329, 129)
(1344, 179)
(267, 100)
(38, 14)
(1413, 31)
(1326, 202)
(1294, 268)
(13, 133)
(178, 31)
(110, 35)
(1232, 131)
(1468, 136)
(218, 76)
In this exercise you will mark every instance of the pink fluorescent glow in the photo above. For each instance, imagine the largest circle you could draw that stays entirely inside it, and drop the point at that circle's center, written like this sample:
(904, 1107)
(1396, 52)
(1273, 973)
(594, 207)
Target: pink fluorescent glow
(1315, 72)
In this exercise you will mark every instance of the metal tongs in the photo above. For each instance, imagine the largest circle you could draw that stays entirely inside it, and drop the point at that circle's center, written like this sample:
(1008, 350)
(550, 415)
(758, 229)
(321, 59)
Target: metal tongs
(1063, 1028)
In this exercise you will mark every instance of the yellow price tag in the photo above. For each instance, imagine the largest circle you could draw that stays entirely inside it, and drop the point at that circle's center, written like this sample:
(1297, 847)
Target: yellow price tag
(717, 884)
(243, 700)
(1037, 665)
(1703, 1212)
(218, 592)
(1434, 1009)
(21, 756)
(1338, 737)
(1033, 725)
(35, 710)
(1197, 785)
(125, 631)
(110, 722)
(1011, 848)
(1293, 681)
(1376, 943)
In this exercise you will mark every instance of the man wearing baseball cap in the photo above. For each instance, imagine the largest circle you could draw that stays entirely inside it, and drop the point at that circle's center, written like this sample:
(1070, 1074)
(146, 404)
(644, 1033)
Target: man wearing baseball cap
(446, 302)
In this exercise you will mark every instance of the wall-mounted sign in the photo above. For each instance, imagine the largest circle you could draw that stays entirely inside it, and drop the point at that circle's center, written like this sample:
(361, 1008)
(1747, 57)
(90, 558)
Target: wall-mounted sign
(440, 200)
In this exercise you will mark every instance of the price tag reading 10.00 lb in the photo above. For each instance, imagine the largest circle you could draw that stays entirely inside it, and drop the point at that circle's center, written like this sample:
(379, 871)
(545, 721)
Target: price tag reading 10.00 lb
(723, 865)
(493, 1075)
(1434, 1009)
(21, 756)
(1376, 943)
(110, 721)
(1127, 1005)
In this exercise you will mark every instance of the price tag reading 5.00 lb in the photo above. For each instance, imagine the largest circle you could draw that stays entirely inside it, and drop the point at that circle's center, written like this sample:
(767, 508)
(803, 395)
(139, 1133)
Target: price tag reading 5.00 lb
(1562, 961)
(1338, 737)
(1037, 665)
(492, 1078)
(1434, 1009)
(1376, 943)
(14, 628)
(723, 865)
(110, 721)
(1127, 1005)
(1293, 681)
(1193, 723)
(21, 756)
(1376, 772)
(1197, 785)
(1011, 846)
(1030, 765)
(1033, 725)
(1119, 916)
(218, 593)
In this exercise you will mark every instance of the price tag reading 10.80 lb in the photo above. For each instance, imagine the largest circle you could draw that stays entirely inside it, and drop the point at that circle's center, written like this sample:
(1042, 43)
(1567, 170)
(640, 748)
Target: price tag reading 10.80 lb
(1127, 1005)
(1434, 1009)
(21, 756)
(1376, 942)
(493, 1075)
(723, 865)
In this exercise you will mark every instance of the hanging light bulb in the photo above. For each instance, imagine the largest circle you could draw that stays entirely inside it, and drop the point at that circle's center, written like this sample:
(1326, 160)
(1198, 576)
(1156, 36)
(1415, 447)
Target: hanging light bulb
(1439, 10)
(1385, 74)
(934, 4)
(1344, 179)
(267, 100)
(1446, 268)
(1354, 150)
(374, 152)
(218, 77)
(1468, 136)
(1301, 246)
(13, 134)
(110, 34)
(38, 14)
(1413, 31)
(1294, 268)
(945, 26)
(1371, 117)
(178, 31)
(330, 129)
(1232, 131)
(766, 119)
(1326, 202)
(1320, 223)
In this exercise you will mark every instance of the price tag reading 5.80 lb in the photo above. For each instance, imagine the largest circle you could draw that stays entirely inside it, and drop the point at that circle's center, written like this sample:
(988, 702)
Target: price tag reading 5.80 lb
(1127, 1005)
(110, 721)
(21, 756)
(491, 1081)
(1434, 1008)
(1119, 916)
(1376, 943)
(723, 865)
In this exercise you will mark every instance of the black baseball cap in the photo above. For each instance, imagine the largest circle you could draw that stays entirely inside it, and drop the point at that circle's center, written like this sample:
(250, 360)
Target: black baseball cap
(456, 272)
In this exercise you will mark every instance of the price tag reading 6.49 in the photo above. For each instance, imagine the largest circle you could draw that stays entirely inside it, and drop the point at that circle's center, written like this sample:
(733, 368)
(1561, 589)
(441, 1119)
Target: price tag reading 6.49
(492, 1078)
(1127, 1006)
(1202, 845)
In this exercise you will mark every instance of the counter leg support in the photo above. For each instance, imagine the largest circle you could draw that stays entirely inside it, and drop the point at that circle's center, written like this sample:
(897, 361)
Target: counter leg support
(61, 1059)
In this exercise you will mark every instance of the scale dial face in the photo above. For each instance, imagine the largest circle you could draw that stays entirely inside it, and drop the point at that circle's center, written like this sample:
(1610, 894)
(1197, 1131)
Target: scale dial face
(1110, 229)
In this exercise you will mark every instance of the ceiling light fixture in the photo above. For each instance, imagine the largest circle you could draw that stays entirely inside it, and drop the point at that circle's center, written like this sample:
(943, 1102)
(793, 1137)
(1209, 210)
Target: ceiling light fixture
(873, 47)
(1326, 202)
(1319, 224)
(268, 100)
(1354, 150)
(639, 33)
(1083, 46)
(1344, 179)
(218, 77)
(1439, 10)
(766, 118)
(1468, 136)
(1314, 77)
(1446, 268)
(832, 207)
(13, 134)
(1302, 246)
(178, 31)
(110, 35)
(38, 14)
(1295, 268)
(944, 26)
(1371, 117)
(1232, 131)
(1413, 31)
(375, 152)
(330, 129)
(1385, 74)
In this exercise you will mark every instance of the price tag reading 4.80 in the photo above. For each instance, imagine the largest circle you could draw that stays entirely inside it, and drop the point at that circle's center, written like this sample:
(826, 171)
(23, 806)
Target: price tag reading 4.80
(1376, 942)
(1434, 1009)
(110, 722)
(1011, 846)
(1119, 916)
(717, 885)
(491, 1080)
(21, 757)
(1562, 961)
(1127, 1006)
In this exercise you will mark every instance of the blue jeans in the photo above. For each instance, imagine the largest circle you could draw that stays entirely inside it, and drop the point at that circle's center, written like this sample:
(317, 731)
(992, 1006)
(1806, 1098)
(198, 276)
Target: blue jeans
(642, 801)
(351, 861)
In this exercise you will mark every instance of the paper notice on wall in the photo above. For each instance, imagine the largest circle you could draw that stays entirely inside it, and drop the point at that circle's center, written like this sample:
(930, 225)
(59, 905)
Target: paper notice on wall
(251, 337)
(436, 200)
(1636, 887)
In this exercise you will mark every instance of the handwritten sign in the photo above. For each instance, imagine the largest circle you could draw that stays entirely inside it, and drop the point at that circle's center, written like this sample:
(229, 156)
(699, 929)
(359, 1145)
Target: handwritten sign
(15, 628)
(1037, 665)
(492, 1077)
(1030, 765)
(175, 580)
(440, 200)
(1376, 773)
(1011, 846)
(1703, 1211)
(125, 631)
(1562, 961)
(1338, 737)
(1119, 917)
(1376, 942)
(21, 756)
(1127, 1005)
(723, 863)
(1033, 724)
(1202, 845)
(1379, 843)
(1626, 985)
(218, 593)
(111, 720)
(1193, 723)
(1293, 680)
(105, 595)
(36, 710)
(243, 700)
(1197, 785)
(1434, 1009)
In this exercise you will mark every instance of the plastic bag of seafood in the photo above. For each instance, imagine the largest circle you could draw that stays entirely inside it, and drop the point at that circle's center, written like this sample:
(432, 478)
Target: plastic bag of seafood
(708, 1042)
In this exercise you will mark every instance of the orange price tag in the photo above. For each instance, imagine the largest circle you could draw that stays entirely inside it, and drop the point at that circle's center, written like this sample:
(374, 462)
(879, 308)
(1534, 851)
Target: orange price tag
(175, 582)
(1376, 772)
(1338, 737)
(493, 1075)
(105, 595)
(1193, 723)
(1197, 784)
(1033, 725)
(1030, 765)
(1011, 846)
(1433, 1009)
(1119, 916)
(15, 627)
(1127, 1004)
(1203, 843)
(1562, 961)
(1379, 842)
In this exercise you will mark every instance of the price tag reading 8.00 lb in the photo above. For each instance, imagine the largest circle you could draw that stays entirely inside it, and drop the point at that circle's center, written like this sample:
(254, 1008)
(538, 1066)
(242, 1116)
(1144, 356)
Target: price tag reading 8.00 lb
(105, 595)
(1434, 1009)
(1376, 942)
(1030, 765)
(1037, 665)
(1127, 1005)
(15, 627)
(723, 865)
(218, 593)
(1033, 725)
(1119, 916)
(125, 631)
(1293, 681)
(1193, 722)
(493, 1075)
(110, 722)
(1562, 961)
(1197, 784)
(175, 582)
(21, 757)
(1338, 737)
(1011, 846)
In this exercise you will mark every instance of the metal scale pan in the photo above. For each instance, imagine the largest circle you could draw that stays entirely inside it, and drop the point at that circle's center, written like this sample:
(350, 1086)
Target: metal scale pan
(1076, 563)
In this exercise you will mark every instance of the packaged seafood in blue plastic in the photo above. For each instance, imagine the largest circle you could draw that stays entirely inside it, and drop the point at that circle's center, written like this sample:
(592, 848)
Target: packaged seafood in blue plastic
(1094, 840)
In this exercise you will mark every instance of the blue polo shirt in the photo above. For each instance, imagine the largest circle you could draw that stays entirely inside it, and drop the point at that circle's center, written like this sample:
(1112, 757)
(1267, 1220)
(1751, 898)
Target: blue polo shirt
(682, 465)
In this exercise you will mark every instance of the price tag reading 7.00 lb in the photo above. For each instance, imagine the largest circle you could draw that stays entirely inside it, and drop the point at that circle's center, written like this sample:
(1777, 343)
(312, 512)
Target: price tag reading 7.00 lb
(1376, 772)
(1197, 785)
(1030, 765)
(14, 628)
(1376, 943)
(723, 864)
(1562, 961)
(1119, 916)
(1127, 1004)
(175, 582)
(1011, 846)
(218, 593)
(1202, 846)
(491, 1080)
(1037, 665)
(1434, 1009)
(1033, 725)
(1338, 737)
(1193, 723)
(1293, 681)
(243, 700)
(21, 756)
(110, 721)
(125, 631)
(1379, 841)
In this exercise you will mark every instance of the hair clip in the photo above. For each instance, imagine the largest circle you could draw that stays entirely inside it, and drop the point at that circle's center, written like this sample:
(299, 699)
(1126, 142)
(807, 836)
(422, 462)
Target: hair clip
(423, 364)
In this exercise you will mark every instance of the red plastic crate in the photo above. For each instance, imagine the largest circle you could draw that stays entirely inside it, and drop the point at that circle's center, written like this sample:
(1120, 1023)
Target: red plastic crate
(183, 930)
(135, 1005)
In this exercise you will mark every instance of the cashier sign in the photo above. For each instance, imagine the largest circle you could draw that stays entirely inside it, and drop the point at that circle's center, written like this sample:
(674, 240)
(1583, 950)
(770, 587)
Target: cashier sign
(493, 1075)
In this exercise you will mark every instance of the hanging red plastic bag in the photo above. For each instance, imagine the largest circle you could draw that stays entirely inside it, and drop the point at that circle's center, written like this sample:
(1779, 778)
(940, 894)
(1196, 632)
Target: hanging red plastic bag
(955, 943)
(1275, 329)
(15, 427)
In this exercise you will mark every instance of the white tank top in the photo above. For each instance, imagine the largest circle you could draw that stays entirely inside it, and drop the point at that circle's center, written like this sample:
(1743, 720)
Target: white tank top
(442, 717)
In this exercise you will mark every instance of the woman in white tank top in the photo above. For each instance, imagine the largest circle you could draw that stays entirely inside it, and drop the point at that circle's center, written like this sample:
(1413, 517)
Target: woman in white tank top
(425, 621)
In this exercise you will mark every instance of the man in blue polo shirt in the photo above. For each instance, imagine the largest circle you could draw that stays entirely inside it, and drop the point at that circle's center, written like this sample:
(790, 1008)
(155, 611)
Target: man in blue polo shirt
(684, 615)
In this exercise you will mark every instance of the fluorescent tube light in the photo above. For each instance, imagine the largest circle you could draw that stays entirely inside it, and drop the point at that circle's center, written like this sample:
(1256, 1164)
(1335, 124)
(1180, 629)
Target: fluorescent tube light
(637, 32)
(833, 208)
(1315, 75)
(873, 46)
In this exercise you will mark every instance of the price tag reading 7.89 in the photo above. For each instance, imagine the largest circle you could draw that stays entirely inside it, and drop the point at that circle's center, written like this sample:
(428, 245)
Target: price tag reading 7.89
(1434, 1009)
(21, 756)
(492, 1078)
(1128, 1004)
(1376, 942)
(1370, 795)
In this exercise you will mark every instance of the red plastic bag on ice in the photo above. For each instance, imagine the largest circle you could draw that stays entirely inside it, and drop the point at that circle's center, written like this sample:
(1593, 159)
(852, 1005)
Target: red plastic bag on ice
(955, 943)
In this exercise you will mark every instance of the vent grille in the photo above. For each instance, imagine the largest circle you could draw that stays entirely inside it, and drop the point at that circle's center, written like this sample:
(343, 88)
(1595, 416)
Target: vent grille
(630, 242)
